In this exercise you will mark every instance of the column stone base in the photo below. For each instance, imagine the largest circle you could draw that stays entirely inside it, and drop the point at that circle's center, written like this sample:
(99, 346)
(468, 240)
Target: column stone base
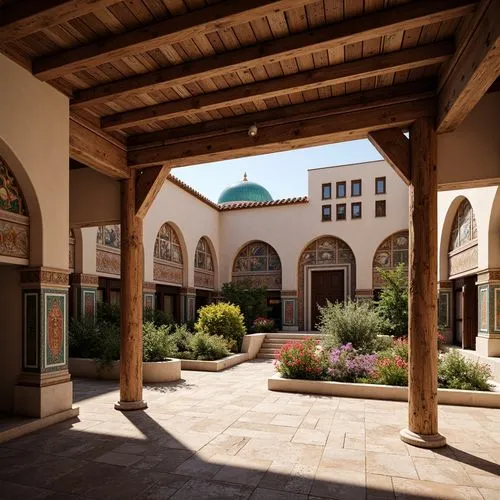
(488, 346)
(422, 440)
(42, 399)
(131, 405)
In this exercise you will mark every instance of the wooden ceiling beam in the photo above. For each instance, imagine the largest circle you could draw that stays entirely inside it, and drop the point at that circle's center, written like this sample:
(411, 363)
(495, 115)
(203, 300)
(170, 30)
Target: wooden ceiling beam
(91, 148)
(330, 75)
(312, 132)
(473, 71)
(358, 29)
(394, 146)
(166, 32)
(384, 96)
(24, 17)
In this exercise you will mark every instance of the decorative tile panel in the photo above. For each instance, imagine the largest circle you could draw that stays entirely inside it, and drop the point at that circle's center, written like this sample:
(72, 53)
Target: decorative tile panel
(168, 272)
(483, 308)
(55, 329)
(204, 279)
(463, 260)
(89, 304)
(289, 311)
(444, 300)
(14, 235)
(108, 261)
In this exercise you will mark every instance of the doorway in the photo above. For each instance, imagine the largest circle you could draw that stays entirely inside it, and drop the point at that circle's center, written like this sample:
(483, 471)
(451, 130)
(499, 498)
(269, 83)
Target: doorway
(325, 286)
(465, 316)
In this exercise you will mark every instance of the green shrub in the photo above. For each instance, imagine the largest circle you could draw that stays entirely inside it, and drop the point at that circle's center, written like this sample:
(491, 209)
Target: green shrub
(158, 317)
(393, 302)
(157, 344)
(94, 340)
(208, 347)
(391, 369)
(224, 320)
(181, 336)
(302, 360)
(108, 313)
(251, 299)
(457, 372)
(356, 323)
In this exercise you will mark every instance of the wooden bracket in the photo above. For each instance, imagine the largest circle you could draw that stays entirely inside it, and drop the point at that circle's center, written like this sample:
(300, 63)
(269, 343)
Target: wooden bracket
(394, 146)
(148, 184)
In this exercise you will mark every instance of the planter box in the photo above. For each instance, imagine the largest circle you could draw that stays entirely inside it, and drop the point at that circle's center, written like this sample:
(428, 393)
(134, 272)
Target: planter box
(214, 366)
(161, 371)
(375, 391)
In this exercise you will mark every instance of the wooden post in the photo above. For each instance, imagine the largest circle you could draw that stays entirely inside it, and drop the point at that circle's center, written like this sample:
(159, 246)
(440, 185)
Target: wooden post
(423, 356)
(132, 276)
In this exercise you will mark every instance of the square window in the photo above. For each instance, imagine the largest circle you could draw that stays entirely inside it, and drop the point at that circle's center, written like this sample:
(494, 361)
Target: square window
(341, 190)
(380, 208)
(380, 185)
(355, 210)
(326, 213)
(326, 191)
(341, 215)
(356, 188)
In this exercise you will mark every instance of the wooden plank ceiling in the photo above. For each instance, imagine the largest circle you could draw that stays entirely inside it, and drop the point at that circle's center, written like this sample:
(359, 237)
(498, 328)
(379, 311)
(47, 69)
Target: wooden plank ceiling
(153, 73)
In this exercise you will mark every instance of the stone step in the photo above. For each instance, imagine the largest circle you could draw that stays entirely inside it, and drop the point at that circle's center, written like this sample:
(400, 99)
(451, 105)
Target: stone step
(293, 336)
(270, 350)
(265, 356)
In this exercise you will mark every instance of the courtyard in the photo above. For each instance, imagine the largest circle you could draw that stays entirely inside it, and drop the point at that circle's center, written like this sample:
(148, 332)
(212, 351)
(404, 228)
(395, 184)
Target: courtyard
(225, 436)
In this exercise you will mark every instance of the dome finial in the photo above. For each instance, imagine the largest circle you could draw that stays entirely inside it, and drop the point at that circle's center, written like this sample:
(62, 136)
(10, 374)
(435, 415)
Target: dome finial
(245, 178)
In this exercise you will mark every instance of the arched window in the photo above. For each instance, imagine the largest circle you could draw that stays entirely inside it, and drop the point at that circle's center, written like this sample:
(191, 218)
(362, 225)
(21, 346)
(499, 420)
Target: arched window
(14, 221)
(167, 246)
(168, 260)
(204, 276)
(463, 230)
(391, 252)
(260, 263)
(203, 257)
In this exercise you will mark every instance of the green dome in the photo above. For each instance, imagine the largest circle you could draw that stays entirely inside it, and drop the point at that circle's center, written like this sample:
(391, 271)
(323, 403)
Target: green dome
(245, 191)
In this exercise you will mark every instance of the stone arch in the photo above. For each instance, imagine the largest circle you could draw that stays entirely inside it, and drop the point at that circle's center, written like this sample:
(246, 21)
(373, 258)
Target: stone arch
(170, 265)
(389, 254)
(325, 252)
(21, 231)
(259, 262)
(205, 264)
(461, 245)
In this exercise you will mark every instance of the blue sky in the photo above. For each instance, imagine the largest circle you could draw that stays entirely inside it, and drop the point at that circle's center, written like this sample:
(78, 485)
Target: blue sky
(283, 174)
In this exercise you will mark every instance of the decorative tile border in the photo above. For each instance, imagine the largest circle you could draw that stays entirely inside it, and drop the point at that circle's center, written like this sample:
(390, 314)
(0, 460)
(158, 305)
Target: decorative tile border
(88, 310)
(483, 308)
(55, 312)
(289, 311)
(444, 301)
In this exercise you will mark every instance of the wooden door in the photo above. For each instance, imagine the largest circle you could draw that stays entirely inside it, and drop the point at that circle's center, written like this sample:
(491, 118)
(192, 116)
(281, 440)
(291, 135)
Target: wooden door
(325, 286)
(459, 312)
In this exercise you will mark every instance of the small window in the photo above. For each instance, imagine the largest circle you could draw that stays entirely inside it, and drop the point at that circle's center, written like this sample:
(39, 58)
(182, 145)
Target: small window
(356, 188)
(326, 191)
(326, 213)
(380, 185)
(341, 215)
(355, 210)
(380, 208)
(341, 190)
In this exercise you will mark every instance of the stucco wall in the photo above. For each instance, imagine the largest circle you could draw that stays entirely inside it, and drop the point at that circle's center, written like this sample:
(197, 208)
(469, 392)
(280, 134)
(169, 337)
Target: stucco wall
(34, 132)
(290, 228)
(470, 156)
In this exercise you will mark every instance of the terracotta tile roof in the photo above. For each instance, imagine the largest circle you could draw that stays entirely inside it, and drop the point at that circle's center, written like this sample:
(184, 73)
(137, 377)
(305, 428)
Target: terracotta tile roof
(237, 205)
(259, 204)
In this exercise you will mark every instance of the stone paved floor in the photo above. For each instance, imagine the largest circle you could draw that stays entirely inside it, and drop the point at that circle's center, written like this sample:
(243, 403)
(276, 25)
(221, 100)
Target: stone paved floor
(225, 436)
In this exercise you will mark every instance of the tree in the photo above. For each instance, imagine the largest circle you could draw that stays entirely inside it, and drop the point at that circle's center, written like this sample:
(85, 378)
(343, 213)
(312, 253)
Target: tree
(393, 301)
(251, 299)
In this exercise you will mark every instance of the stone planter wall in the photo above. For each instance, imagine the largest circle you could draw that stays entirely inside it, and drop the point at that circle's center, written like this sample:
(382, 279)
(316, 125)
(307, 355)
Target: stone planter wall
(252, 342)
(214, 366)
(375, 391)
(161, 371)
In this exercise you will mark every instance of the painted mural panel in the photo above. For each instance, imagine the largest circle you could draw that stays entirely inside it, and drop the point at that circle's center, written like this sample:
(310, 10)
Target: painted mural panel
(260, 263)
(11, 198)
(167, 245)
(109, 236)
(390, 253)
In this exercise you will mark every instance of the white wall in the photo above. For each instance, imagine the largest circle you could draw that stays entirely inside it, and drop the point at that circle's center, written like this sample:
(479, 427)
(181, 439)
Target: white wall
(290, 228)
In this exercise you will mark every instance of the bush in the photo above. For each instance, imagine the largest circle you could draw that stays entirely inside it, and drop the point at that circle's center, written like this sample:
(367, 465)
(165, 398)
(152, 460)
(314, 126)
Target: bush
(393, 301)
(391, 370)
(181, 336)
(251, 299)
(400, 347)
(346, 365)
(355, 323)
(263, 325)
(158, 317)
(303, 360)
(457, 372)
(108, 313)
(208, 347)
(88, 339)
(157, 344)
(224, 320)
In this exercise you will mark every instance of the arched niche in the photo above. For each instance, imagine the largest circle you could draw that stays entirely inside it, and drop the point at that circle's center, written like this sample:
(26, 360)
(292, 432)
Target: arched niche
(204, 264)
(259, 262)
(389, 254)
(327, 254)
(168, 257)
(14, 219)
(108, 249)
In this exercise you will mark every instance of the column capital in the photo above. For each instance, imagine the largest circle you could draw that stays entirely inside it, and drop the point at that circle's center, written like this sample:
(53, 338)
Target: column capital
(85, 280)
(149, 287)
(188, 291)
(46, 277)
(490, 275)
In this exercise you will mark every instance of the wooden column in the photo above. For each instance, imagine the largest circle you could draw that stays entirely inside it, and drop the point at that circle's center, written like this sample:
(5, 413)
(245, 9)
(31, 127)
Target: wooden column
(423, 356)
(132, 276)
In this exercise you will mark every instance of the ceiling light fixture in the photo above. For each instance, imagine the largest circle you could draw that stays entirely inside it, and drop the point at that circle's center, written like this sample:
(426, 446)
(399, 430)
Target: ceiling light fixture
(252, 131)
